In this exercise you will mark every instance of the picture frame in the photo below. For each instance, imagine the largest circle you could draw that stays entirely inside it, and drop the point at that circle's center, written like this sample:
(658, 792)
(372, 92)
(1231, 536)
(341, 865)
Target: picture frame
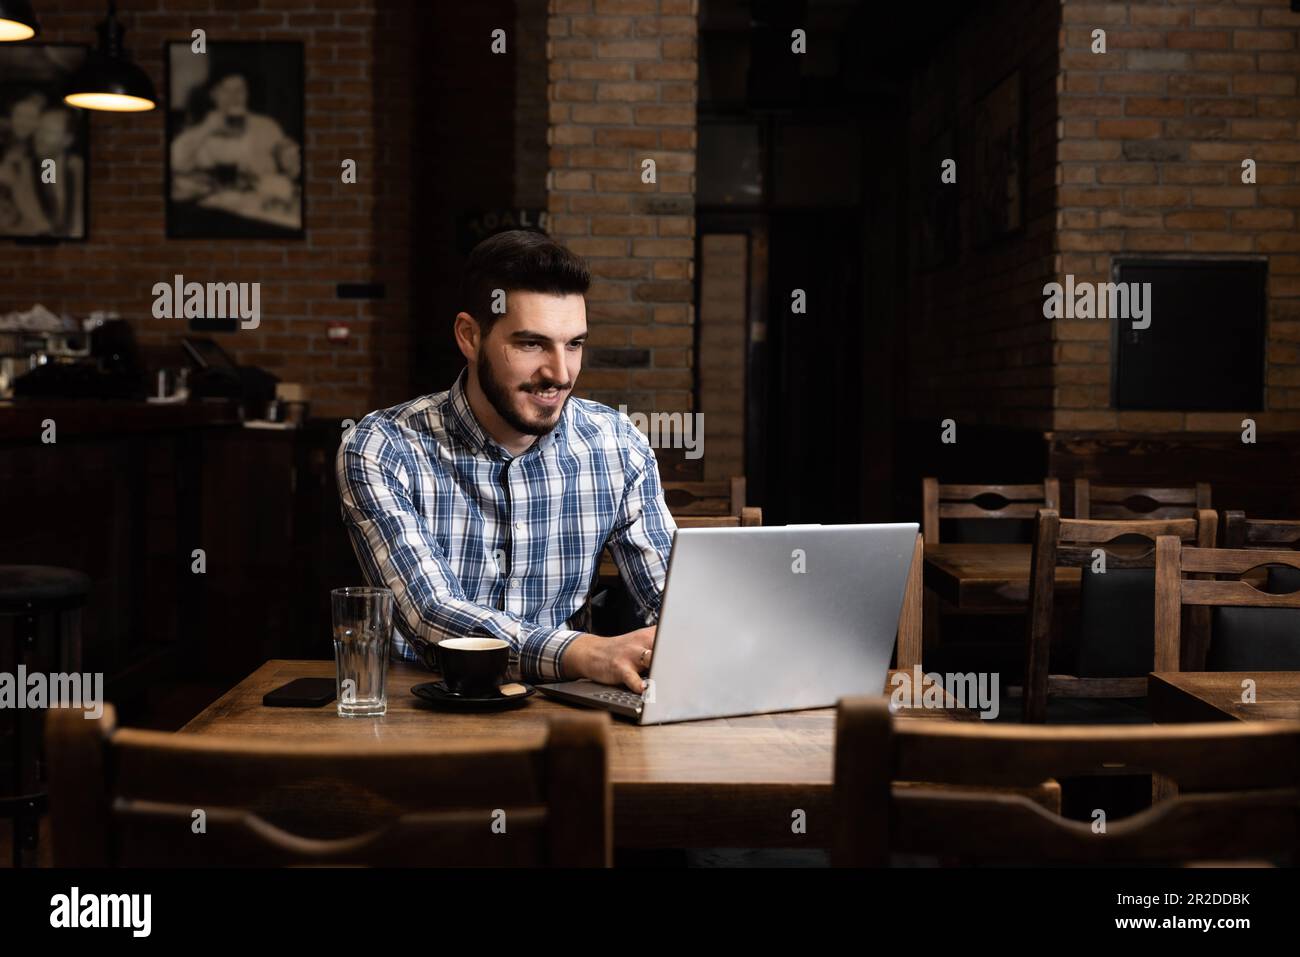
(235, 140)
(44, 145)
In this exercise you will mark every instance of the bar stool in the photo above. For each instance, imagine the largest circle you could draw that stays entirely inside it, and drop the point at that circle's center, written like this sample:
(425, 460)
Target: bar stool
(45, 604)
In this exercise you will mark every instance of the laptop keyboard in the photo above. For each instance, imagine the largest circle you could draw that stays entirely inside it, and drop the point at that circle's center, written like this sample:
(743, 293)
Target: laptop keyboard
(626, 698)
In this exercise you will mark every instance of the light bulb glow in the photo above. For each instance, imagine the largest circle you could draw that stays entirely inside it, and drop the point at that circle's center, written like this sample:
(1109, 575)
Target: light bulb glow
(112, 102)
(12, 31)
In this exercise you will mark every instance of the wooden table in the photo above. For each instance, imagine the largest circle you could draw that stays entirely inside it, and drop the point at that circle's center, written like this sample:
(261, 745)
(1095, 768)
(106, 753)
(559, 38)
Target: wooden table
(986, 576)
(1216, 696)
(728, 782)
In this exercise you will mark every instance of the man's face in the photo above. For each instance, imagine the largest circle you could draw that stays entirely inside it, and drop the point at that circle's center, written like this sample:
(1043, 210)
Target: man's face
(52, 135)
(528, 364)
(24, 116)
(231, 95)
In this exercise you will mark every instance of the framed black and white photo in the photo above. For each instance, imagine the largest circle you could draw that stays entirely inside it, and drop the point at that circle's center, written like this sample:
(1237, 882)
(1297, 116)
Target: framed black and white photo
(44, 144)
(235, 141)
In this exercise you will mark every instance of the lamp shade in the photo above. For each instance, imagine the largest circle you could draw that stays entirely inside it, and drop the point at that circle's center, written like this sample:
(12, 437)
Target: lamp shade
(109, 80)
(111, 83)
(17, 21)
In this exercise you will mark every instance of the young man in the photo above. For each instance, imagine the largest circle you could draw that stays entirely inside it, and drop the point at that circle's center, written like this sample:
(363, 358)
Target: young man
(485, 508)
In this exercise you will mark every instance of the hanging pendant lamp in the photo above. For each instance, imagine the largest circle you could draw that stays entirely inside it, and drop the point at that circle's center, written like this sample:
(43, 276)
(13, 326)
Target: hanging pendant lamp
(17, 21)
(109, 80)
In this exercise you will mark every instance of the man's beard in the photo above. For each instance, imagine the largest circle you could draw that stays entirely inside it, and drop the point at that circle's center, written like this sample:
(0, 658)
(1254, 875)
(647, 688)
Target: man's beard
(500, 397)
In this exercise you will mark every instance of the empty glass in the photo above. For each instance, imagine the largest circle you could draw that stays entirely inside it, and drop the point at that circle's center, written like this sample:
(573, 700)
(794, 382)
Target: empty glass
(363, 622)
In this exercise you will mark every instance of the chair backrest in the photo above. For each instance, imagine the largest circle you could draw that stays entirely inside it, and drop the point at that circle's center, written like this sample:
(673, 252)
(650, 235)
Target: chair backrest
(910, 634)
(939, 501)
(131, 798)
(1208, 588)
(1246, 775)
(1072, 543)
(750, 516)
(712, 497)
(1269, 533)
(1130, 501)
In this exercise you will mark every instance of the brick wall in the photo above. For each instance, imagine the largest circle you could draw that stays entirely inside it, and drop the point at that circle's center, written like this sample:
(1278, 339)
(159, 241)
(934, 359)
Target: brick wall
(1152, 138)
(357, 106)
(978, 349)
(622, 89)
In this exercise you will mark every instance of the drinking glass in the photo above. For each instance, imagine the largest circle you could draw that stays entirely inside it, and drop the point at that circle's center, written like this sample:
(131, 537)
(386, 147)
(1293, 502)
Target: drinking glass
(363, 623)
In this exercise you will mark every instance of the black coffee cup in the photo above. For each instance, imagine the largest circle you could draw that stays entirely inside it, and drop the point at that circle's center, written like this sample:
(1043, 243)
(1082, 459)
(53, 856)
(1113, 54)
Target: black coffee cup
(473, 666)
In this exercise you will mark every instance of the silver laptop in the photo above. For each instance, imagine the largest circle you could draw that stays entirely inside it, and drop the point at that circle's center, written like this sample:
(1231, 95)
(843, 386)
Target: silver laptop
(767, 619)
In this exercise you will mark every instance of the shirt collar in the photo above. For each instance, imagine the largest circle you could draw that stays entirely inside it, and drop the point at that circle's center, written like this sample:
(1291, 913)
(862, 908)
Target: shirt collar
(467, 425)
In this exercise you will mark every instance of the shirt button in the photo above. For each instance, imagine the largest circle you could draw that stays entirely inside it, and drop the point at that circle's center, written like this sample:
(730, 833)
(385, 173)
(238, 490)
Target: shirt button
(519, 526)
(514, 583)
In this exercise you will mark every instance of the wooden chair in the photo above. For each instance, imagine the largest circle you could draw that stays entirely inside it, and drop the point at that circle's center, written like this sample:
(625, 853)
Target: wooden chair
(749, 517)
(1070, 543)
(1247, 776)
(1272, 534)
(1119, 501)
(1015, 502)
(960, 502)
(123, 797)
(713, 497)
(1209, 589)
(910, 638)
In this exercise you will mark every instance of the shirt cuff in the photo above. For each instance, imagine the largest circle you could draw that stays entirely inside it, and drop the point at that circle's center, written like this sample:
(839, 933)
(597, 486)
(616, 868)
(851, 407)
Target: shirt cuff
(541, 651)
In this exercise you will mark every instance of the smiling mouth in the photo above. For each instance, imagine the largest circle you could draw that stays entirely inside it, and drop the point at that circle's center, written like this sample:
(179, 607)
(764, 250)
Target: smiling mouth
(546, 397)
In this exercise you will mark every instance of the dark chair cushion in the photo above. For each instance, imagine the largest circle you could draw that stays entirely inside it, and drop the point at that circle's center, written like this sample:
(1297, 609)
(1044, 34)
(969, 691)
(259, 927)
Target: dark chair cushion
(1258, 639)
(987, 531)
(1117, 623)
(41, 588)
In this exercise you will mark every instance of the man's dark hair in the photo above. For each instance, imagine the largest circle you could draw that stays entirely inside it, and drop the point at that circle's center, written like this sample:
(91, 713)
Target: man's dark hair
(518, 260)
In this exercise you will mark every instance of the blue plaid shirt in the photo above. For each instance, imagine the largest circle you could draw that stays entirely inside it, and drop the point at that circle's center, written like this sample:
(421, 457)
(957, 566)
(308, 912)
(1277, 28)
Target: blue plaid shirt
(474, 541)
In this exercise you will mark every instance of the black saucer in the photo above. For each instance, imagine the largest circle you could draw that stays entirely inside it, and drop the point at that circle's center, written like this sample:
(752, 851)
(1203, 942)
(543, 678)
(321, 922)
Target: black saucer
(437, 693)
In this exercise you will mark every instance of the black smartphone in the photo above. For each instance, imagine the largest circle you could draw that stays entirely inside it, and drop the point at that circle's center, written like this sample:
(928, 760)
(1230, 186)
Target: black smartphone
(301, 693)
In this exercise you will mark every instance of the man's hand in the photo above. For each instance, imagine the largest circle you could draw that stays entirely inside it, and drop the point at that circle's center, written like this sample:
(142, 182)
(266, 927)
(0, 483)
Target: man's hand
(616, 660)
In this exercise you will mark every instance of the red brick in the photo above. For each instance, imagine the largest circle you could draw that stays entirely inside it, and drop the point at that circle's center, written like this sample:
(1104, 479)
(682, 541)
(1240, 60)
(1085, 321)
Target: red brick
(1128, 129)
(1127, 173)
(1141, 16)
(1263, 129)
(1198, 40)
(1249, 83)
(1263, 40)
(628, 49)
(599, 70)
(1166, 196)
(1225, 17)
(627, 92)
(1198, 83)
(1223, 196)
(1258, 219)
(1154, 106)
(1198, 219)
(1236, 106)
(634, 138)
(1133, 83)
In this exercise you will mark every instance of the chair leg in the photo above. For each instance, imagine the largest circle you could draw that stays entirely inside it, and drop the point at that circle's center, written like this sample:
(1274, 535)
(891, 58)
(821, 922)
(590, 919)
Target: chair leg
(929, 626)
(1163, 788)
